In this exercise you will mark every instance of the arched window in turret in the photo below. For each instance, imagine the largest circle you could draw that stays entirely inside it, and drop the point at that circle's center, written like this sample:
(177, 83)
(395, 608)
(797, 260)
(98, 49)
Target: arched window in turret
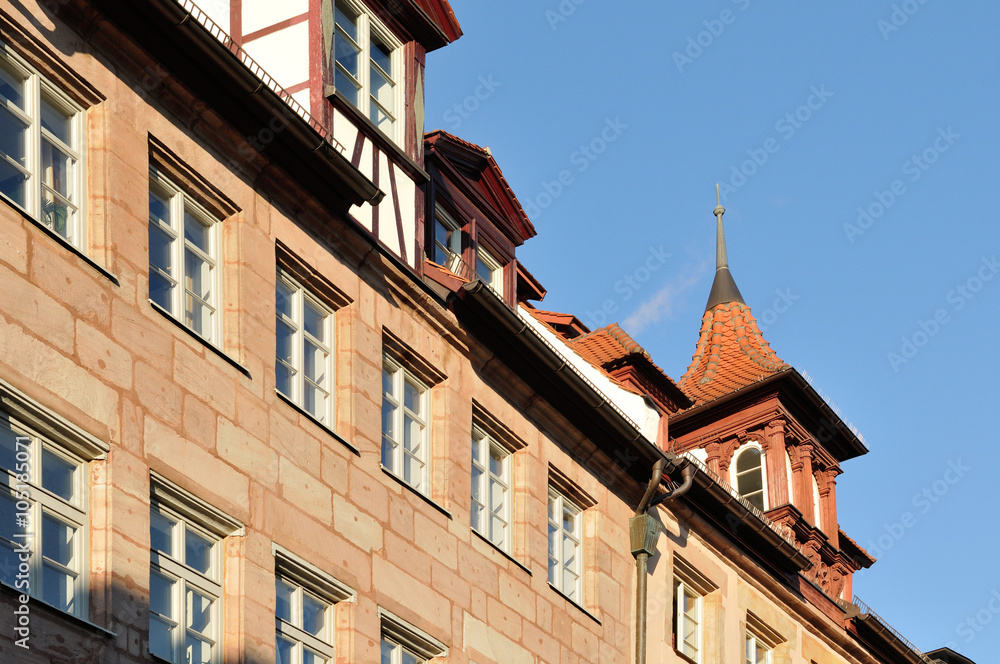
(748, 475)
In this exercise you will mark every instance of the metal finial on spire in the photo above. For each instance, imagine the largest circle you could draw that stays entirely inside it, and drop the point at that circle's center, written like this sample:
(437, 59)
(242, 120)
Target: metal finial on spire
(724, 288)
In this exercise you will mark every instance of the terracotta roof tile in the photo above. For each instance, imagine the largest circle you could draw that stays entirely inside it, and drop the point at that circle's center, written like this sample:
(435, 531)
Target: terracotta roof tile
(731, 354)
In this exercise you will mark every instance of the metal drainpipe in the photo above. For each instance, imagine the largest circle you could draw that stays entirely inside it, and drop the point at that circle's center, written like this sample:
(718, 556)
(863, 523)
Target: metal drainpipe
(644, 531)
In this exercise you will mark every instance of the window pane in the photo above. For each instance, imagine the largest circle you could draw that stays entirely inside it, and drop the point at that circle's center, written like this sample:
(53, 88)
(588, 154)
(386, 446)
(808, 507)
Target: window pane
(161, 638)
(283, 651)
(57, 540)
(497, 456)
(57, 588)
(412, 434)
(11, 84)
(57, 169)
(8, 447)
(347, 20)
(197, 651)
(315, 363)
(381, 119)
(284, 375)
(389, 419)
(498, 531)
(313, 615)
(382, 90)
(497, 495)
(387, 650)
(382, 56)
(58, 475)
(411, 397)
(413, 471)
(161, 593)
(750, 482)
(160, 289)
(569, 584)
(198, 316)
(476, 450)
(476, 515)
(160, 255)
(57, 214)
(310, 657)
(477, 481)
(283, 299)
(198, 275)
(285, 342)
(484, 270)
(748, 459)
(387, 382)
(314, 320)
(196, 232)
(57, 122)
(315, 402)
(347, 87)
(283, 600)
(197, 552)
(199, 612)
(161, 533)
(158, 209)
(8, 563)
(410, 658)
(13, 134)
(12, 182)
(388, 453)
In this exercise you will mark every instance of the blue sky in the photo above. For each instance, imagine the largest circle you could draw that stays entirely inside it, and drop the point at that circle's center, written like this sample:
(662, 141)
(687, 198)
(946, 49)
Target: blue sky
(857, 146)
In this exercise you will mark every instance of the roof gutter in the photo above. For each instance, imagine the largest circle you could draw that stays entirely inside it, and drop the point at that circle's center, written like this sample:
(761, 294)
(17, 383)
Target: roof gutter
(527, 343)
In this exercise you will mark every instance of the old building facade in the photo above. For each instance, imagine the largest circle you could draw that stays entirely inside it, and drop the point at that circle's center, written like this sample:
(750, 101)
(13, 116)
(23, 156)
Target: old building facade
(274, 386)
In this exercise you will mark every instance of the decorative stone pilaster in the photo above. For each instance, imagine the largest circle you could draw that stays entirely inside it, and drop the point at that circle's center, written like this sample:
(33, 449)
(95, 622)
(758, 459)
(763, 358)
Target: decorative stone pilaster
(774, 448)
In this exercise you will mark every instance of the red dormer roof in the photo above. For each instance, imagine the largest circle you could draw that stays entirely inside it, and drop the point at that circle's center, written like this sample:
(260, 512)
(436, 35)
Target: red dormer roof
(473, 169)
(622, 359)
(731, 354)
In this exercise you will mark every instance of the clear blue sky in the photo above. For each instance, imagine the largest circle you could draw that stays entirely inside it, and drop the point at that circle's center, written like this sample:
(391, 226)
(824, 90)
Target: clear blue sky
(835, 111)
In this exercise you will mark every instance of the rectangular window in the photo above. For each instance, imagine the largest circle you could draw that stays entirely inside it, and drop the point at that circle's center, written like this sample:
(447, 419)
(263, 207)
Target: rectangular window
(41, 148)
(687, 612)
(447, 241)
(757, 652)
(43, 519)
(305, 607)
(184, 278)
(565, 545)
(185, 590)
(490, 489)
(367, 65)
(402, 643)
(303, 363)
(404, 424)
(761, 641)
(490, 271)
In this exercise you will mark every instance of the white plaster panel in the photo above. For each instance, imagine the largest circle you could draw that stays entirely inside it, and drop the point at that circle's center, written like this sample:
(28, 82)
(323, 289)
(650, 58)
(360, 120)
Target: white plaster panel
(218, 11)
(284, 54)
(302, 96)
(258, 14)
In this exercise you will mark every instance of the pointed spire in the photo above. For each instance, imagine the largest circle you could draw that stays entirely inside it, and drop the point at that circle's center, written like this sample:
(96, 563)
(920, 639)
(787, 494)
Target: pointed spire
(724, 288)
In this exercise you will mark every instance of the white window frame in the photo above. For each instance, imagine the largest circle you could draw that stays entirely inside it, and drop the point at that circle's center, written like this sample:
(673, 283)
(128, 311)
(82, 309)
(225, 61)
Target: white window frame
(394, 454)
(485, 484)
(495, 281)
(300, 297)
(453, 254)
(734, 475)
(682, 591)
(308, 581)
(817, 508)
(558, 558)
(25, 483)
(369, 25)
(403, 643)
(189, 514)
(752, 643)
(178, 203)
(37, 87)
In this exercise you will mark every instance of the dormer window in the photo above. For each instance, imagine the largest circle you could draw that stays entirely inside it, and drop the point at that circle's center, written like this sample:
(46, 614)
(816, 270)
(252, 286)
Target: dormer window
(489, 270)
(748, 475)
(447, 241)
(367, 66)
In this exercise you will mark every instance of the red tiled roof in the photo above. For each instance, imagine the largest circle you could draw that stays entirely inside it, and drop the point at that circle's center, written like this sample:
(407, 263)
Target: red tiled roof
(606, 345)
(731, 354)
